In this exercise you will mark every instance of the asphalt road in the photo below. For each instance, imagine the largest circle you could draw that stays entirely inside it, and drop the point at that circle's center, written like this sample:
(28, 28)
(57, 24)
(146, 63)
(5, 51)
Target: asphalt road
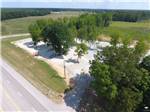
(15, 97)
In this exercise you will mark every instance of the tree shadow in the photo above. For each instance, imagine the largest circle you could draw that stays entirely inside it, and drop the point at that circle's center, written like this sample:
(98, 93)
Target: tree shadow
(29, 44)
(73, 97)
(44, 50)
(92, 48)
(71, 60)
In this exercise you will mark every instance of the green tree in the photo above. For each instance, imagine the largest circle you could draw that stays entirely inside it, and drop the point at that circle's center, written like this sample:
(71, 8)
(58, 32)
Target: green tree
(82, 33)
(92, 34)
(107, 17)
(81, 50)
(86, 27)
(89, 25)
(35, 32)
(140, 49)
(146, 63)
(42, 23)
(72, 27)
(103, 83)
(118, 77)
(59, 36)
(146, 97)
(99, 20)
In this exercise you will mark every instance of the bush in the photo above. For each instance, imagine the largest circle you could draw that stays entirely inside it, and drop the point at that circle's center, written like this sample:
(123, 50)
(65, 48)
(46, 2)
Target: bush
(146, 63)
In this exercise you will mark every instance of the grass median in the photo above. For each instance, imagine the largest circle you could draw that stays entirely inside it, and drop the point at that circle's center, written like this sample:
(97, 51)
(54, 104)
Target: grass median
(37, 72)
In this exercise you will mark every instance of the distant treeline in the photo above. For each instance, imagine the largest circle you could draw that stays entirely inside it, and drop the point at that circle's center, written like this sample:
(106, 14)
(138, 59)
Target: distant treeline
(117, 15)
(130, 16)
(18, 13)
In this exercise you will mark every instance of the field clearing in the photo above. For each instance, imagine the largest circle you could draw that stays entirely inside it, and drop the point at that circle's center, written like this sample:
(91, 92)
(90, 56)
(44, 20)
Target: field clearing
(37, 72)
(132, 30)
(20, 25)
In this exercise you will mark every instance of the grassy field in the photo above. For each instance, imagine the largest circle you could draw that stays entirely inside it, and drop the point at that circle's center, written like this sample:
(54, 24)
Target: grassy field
(20, 25)
(133, 30)
(39, 73)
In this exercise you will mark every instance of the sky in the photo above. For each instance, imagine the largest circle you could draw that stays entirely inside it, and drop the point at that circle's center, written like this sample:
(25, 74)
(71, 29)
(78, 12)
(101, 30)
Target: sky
(86, 4)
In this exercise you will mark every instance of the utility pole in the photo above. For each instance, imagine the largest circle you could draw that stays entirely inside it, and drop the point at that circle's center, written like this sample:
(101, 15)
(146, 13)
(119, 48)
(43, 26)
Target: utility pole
(64, 69)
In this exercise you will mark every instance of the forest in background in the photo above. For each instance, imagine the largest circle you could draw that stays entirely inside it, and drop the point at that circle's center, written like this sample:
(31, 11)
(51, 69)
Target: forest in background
(117, 15)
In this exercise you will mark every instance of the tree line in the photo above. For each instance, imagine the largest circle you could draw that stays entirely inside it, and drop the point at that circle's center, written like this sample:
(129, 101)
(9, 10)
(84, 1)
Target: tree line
(130, 16)
(18, 13)
(62, 33)
(117, 15)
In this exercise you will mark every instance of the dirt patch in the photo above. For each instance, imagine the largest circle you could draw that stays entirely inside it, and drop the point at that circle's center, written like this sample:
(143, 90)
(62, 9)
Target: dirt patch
(104, 38)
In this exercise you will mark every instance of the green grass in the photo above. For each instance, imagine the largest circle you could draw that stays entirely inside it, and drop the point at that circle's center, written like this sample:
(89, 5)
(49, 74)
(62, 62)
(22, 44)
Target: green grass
(39, 73)
(133, 30)
(20, 25)
(136, 30)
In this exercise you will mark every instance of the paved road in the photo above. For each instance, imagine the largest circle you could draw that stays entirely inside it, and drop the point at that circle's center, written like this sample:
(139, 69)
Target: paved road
(15, 35)
(15, 97)
(17, 94)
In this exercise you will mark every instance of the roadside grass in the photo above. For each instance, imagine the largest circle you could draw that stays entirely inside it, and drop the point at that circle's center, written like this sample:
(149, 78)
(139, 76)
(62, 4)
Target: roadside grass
(20, 25)
(37, 72)
(132, 30)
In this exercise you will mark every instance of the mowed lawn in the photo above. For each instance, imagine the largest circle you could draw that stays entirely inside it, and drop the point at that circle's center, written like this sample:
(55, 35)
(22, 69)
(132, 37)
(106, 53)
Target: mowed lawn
(39, 73)
(20, 25)
(132, 30)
